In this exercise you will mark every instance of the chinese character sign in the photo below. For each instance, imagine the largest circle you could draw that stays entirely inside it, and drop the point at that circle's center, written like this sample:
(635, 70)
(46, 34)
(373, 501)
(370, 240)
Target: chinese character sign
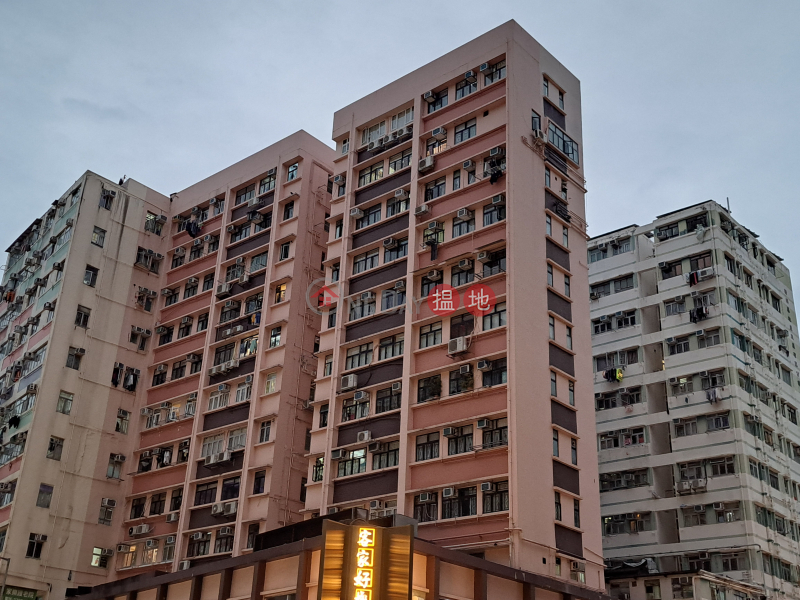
(365, 561)
(479, 299)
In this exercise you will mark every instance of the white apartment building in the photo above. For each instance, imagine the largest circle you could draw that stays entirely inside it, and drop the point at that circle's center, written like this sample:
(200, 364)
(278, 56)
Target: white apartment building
(696, 396)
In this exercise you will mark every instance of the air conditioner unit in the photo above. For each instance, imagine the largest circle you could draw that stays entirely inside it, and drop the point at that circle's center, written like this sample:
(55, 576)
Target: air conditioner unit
(719, 505)
(197, 536)
(145, 412)
(193, 396)
(485, 67)
(400, 285)
(339, 179)
(363, 436)
(487, 486)
(468, 165)
(356, 213)
(151, 544)
(457, 345)
(429, 97)
(703, 555)
(367, 296)
(663, 265)
(425, 497)
(231, 228)
(208, 237)
(225, 532)
(465, 263)
(349, 382)
(450, 432)
(705, 273)
(498, 151)
(161, 369)
(401, 195)
(422, 210)
(538, 134)
(390, 243)
(145, 454)
(465, 213)
(361, 395)
(118, 458)
(484, 365)
(39, 537)
(703, 373)
(698, 483)
(700, 333)
(375, 504)
(397, 386)
(426, 164)
(6, 487)
(673, 380)
(670, 340)
(448, 492)
(217, 509)
(678, 298)
(483, 423)
(184, 565)
(699, 508)
(470, 76)
(603, 318)
(180, 251)
(172, 517)
(434, 275)
(108, 503)
(434, 226)
(53, 239)
(337, 454)
(695, 294)
(439, 133)
(28, 355)
(484, 257)
(230, 508)
(123, 548)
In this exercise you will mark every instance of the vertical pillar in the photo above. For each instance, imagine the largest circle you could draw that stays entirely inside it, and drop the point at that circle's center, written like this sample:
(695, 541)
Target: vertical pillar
(225, 579)
(259, 569)
(432, 577)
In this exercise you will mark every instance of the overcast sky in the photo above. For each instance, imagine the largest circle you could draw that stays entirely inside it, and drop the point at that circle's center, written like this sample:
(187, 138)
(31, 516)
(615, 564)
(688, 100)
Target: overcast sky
(683, 101)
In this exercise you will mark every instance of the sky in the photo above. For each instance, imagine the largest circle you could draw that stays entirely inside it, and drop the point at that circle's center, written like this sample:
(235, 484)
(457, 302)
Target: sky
(683, 101)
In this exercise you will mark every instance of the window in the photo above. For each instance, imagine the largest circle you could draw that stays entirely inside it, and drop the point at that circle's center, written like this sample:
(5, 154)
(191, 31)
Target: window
(123, 420)
(213, 244)
(465, 131)
(463, 226)
(399, 161)
(555, 442)
(35, 545)
(90, 276)
(434, 189)
(440, 101)
(700, 262)
(158, 503)
(461, 382)
(722, 466)
(427, 446)
(288, 210)
(318, 469)
(561, 106)
(674, 308)
(493, 213)
(462, 325)
(45, 496)
(395, 206)
(495, 433)
(497, 73)
(385, 400)
(271, 385)
(370, 174)
(280, 293)
(248, 346)
(337, 230)
(460, 441)
(267, 184)
(367, 260)
(205, 493)
(371, 216)
(545, 87)
(64, 403)
(245, 194)
(177, 259)
(355, 461)
(461, 276)
(105, 516)
(429, 388)
(566, 286)
(259, 479)
(497, 499)
(430, 335)
(390, 347)
(264, 431)
(497, 374)
(54, 448)
(202, 322)
(283, 253)
(558, 506)
(190, 289)
(392, 298)
(275, 337)
(463, 504)
(99, 237)
(536, 121)
(390, 457)
(165, 337)
(496, 318)
(114, 470)
(456, 180)
(565, 236)
(358, 356)
(495, 264)
(230, 488)
(465, 88)
(253, 303)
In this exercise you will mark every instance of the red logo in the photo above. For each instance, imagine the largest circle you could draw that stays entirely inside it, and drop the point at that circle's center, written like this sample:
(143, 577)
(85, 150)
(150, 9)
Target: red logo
(479, 299)
(443, 299)
(325, 296)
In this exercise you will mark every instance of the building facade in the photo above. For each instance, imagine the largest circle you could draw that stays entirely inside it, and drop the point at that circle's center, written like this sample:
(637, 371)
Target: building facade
(696, 396)
(67, 430)
(466, 172)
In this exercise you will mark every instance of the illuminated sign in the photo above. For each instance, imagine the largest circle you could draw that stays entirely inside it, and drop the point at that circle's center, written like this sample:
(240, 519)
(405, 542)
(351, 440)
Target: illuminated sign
(365, 563)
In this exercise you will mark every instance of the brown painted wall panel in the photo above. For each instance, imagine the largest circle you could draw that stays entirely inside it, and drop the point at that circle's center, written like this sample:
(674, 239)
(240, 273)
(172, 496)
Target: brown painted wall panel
(243, 209)
(395, 271)
(561, 359)
(380, 373)
(245, 367)
(387, 184)
(254, 241)
(563, 417)
(557, 255)
(234, 465)
(365, 487)
(559, 306)
(566, 478)
(376, 325)
(381, 231)
(201, 517)
(552, 113)
(379, 426)
(569, 541)
(234, 414)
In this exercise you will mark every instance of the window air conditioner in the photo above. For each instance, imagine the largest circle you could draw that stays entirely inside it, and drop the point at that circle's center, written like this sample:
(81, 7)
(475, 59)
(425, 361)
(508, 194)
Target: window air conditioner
(470, 76)
(483, 257)
(150, 544)
(356, 213)
(434, 275)
(231, 228)
(448, 492)
(145, 412)
(230, 508)
(426, 164)
(197, 536)
(425, 496)
(337, 454)
(368, 296)
(363, 436)
(457, 345)
(483, 423)
(400, 285)
(484, 365)
(361, 395)
(498, 151)
(429, 97)
(397, 386)
(225, 532)
(390, 243)
(439, 133)
(339, 179)
(465, 263)
(434, 226)
(179, 251)
(161, 369)
(450, 432)
(464, 369)
(719, 506)
(422, 210)
(401, 195)
(465, 213)
(208, 238)
(670, 340)
(700, 332)
(678, 298)
(172, 517)
(184, 565)
(602, 246)
(170, 541)
(375, 504)
(376, 447)
(123, 548)
(108, 503)
(673, 380)
(485, 67)
(703, 373)
(349, 382)
(487, 486)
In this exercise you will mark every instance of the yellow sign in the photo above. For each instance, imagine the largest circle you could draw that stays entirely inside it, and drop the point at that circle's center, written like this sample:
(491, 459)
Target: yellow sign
(365, 563)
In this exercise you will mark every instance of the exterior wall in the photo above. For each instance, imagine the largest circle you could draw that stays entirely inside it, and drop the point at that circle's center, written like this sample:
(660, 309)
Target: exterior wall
(89, 432)
(693, 513)
(502, 112)
(281, 456)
